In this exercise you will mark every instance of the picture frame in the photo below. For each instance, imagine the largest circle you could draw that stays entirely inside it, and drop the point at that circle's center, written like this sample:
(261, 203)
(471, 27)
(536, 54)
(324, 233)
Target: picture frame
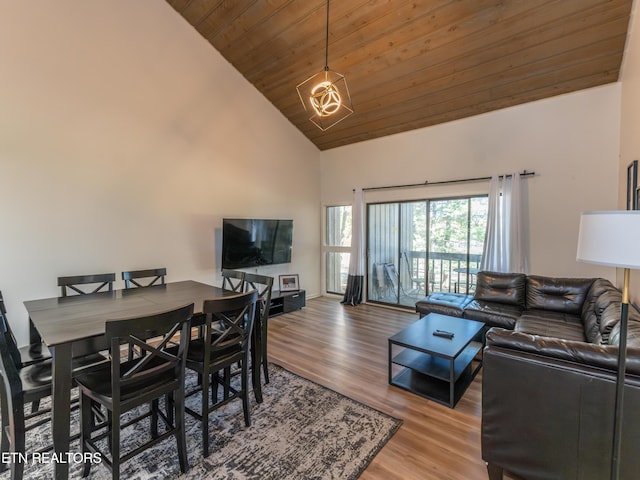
(289, 283)
(632, 185)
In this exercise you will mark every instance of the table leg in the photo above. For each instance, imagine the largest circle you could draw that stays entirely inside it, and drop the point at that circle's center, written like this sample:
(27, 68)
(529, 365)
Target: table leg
(61, 408)
(389, 362)
(452, 383)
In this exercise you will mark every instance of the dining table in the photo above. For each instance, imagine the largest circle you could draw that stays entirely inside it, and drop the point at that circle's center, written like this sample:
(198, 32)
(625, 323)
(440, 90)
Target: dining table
(76, 324)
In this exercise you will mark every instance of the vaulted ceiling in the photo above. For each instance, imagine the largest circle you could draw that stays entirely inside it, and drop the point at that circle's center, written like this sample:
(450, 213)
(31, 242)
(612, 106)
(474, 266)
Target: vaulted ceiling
(411, 64)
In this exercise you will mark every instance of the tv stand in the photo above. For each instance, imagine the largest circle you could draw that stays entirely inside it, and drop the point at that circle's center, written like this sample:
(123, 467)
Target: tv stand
(285, 302)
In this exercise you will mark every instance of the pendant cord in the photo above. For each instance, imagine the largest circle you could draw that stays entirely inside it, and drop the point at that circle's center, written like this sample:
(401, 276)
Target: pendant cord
(326, 49)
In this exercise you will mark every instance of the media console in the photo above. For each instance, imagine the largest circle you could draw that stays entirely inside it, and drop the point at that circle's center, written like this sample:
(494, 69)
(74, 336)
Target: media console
(285, 302)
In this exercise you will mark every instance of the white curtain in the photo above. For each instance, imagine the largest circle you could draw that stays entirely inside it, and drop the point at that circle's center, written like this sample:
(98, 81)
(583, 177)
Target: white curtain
(355, 280)
(504, 249)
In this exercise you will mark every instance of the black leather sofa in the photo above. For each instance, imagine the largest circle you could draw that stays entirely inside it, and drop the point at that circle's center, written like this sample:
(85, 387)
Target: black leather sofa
(549, 372)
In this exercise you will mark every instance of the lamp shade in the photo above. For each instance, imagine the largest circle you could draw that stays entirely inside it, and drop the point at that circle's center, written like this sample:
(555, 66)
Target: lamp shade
(610, 238)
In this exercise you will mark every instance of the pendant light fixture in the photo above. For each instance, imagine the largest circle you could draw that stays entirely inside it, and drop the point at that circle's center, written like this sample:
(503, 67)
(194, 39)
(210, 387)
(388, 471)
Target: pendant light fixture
(326, 94)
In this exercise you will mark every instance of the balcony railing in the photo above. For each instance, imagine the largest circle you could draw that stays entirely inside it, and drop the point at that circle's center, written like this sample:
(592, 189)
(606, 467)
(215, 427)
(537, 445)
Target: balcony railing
(415, 277)
(447, 272)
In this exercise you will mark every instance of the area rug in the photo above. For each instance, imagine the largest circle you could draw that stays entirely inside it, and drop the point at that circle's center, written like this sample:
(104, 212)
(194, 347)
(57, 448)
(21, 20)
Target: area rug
(301, 431)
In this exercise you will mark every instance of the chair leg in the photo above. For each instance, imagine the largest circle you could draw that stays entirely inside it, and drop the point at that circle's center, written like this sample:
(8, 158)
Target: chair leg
(169, 407)
(115, 445)
(227, 382)
(4, 420)
(215, 381)
(256, 361)
(245, 392)
(206, 378)
(17, 436)
(155, 404)
(86, 427)
(181, 439)
(265, 366)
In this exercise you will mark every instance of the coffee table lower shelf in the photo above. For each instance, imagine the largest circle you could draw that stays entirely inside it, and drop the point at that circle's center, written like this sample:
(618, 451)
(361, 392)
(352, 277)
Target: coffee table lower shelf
(431, 377)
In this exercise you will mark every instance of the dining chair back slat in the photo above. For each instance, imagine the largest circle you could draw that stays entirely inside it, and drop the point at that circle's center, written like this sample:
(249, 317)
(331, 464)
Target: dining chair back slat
(233, 280)
(153, 276)
(104, 282)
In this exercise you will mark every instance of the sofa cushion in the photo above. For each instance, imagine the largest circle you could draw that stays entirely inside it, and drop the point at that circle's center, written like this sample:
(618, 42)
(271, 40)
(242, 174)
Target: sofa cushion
(557, 294)
(444, 303)
(493, 314)
(507, 288)
(633, 332)
(547, 323)
(601, 310)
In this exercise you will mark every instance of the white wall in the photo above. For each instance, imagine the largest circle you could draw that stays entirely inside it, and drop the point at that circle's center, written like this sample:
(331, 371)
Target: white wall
(570, 141)
(124, 139)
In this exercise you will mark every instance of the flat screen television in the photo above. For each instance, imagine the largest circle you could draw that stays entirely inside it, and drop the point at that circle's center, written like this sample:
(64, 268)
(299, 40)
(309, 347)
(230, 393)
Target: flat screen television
(255, 242)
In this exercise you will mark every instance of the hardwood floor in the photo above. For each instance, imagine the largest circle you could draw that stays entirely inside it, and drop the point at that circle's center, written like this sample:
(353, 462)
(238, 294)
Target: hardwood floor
(345, 348)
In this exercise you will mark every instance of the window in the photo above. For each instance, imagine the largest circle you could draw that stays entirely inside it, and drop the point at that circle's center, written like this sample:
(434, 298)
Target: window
(425, 246)
(337, 248)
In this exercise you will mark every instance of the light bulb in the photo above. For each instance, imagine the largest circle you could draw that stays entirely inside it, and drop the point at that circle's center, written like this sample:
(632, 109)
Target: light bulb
(325, 99)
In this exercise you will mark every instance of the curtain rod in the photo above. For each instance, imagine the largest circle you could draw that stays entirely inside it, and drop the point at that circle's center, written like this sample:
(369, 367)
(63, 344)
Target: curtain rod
(444, 182)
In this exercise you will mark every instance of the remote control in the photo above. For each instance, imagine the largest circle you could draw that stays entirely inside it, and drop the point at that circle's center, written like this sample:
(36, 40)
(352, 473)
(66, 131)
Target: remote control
(443, 333)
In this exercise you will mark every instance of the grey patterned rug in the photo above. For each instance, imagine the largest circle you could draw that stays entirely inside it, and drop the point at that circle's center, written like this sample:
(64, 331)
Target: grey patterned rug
(301, 431)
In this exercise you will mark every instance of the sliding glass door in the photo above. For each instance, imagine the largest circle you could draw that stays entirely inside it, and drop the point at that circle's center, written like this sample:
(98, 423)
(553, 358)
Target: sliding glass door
(415, 248)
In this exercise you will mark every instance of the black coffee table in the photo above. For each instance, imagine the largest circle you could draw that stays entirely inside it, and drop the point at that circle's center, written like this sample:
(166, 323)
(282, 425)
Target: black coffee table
(437, 368)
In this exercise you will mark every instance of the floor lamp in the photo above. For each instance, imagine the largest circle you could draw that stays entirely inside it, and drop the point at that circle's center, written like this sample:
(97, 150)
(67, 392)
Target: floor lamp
(611, 238)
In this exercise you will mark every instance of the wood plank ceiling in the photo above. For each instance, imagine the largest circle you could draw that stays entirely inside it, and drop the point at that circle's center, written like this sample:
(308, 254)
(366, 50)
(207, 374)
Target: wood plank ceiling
(411, 64)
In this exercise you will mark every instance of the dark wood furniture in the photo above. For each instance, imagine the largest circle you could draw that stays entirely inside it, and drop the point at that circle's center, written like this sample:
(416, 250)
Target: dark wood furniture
(122, 386)
(24, 383)
(142, 279)
(81, 319)
(233, 280)
(28, 354)
(264, 285)
(436, 367)
(153, 276)
(285, 302)
(95, 282)
(225, 342)
(15, 394)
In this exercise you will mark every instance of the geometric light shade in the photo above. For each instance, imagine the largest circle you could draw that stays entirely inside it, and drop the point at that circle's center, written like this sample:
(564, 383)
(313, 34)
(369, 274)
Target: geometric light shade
(610, 238)
(326, 96)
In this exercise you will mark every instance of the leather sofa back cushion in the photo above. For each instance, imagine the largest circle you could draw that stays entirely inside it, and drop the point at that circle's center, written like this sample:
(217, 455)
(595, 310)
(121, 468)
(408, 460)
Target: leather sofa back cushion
(633, 331)
(507, 288)
(560, 294)
(601, 311)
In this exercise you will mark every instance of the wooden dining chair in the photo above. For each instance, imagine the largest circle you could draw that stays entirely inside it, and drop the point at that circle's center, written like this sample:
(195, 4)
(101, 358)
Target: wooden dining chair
(23, 384)
(29, 354)
(90, 283)
(86, 285)
(233, 280)
(228, 323)
(127, 384)
(144, 278)
(264, 285)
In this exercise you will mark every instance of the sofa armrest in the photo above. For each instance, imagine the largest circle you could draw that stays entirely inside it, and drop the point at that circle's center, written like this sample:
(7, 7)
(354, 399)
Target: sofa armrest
(548, 408)
(597, 356)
